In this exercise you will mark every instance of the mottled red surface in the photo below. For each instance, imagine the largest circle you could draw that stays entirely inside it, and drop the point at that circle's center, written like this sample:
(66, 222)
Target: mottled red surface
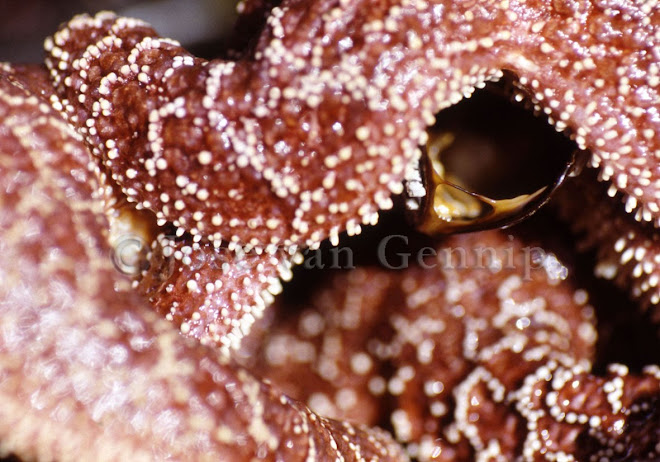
(87, 369)
(483, 353)
(628, 252)
(213, 295)
(344, 91)
(301, 139)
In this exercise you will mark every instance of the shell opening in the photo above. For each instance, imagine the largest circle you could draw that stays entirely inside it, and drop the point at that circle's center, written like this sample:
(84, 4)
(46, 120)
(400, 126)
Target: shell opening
(131, 234)
(489, 163)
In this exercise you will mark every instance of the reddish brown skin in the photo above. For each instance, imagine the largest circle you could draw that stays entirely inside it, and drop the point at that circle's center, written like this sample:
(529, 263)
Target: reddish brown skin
(241, 286)
(87, 367)
(271, 196)
(545, 43)
(635, 270)
(310, 133)
(372, 313)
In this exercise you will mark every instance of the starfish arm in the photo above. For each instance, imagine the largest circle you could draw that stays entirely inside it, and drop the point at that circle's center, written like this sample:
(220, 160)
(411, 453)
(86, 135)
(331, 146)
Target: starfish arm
(312, 133)
(87, 371)
(627, 251)
(306, 136)
(471, 356)
(212, 294)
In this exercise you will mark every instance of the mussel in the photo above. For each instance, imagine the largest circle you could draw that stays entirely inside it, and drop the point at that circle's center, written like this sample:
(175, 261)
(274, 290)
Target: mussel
(489, 162)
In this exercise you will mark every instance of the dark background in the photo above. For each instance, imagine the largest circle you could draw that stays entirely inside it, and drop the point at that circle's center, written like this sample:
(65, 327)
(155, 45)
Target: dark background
(197, 24)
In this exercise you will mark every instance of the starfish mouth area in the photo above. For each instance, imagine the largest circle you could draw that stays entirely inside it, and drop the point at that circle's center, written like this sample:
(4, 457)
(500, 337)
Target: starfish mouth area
(489, 162)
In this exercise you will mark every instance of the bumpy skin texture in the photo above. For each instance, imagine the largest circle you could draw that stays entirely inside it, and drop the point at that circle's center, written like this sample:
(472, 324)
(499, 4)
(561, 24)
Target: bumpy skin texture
(304, 138)
(261, 150)
(88, 371)
(180, 269)
(214, 295)
(310, 134)
(485, 356)
(627, 252)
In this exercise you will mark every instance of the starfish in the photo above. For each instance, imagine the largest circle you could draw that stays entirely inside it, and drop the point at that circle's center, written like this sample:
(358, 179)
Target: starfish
(470, 354)
(303, 138)
(312, 133)
(90, 371)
